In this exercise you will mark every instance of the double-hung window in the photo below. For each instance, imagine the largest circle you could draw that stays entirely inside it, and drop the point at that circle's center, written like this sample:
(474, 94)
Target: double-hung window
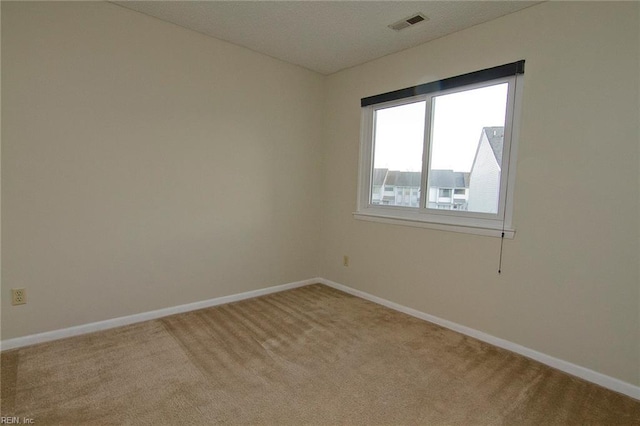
(452, 144)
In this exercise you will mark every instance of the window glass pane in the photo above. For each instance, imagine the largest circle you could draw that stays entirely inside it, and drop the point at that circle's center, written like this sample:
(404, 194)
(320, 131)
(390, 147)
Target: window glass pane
(397, 154)
(445, 192)
(467, 135)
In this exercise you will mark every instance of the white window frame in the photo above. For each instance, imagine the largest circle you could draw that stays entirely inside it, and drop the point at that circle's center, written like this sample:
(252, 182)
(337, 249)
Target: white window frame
(495, 225)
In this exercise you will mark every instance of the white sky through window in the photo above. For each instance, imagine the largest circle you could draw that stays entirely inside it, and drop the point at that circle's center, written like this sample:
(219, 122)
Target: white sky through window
(458, 119)
(399, 137)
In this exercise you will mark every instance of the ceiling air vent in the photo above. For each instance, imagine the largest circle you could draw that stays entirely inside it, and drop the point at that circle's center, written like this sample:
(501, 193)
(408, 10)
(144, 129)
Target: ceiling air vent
(407, 22)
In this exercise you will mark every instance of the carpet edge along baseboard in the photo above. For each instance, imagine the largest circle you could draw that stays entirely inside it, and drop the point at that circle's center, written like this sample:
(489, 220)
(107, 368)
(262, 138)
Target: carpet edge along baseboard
(601, 379)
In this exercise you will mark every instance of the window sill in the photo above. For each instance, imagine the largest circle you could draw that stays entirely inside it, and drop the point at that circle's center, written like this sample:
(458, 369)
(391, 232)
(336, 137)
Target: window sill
(403, 221)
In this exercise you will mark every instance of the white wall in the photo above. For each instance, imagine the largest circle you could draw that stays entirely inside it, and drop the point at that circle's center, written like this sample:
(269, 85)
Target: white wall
(569, 285)
(145, 166)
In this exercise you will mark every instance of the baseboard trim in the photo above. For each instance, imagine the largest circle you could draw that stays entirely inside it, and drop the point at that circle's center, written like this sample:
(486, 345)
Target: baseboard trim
(559, 364)
(568, 367)
(48, 336)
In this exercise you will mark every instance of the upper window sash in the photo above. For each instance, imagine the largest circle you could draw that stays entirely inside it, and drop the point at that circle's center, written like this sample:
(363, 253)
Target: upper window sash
(504, 160)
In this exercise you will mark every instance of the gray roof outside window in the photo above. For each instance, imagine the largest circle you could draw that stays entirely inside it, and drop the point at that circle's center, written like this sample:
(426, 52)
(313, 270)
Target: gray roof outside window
(495, 135)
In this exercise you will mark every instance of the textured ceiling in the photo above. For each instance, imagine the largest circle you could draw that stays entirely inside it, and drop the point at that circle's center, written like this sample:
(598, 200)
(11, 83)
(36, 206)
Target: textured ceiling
(324, 36)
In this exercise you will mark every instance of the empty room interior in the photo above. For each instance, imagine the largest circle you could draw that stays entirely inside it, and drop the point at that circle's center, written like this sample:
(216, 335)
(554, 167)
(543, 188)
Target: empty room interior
(320, 212)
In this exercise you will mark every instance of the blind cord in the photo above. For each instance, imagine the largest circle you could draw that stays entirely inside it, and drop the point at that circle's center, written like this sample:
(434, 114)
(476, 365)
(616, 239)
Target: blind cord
(501, 247)
(506, 192)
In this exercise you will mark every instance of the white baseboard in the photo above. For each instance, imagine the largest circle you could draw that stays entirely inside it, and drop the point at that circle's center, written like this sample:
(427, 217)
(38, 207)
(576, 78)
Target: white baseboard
(570, 368)
(145, 316)
(573, 369)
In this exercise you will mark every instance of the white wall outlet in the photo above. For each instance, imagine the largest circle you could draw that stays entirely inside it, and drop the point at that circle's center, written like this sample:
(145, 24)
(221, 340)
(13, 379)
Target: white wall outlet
(18, 296)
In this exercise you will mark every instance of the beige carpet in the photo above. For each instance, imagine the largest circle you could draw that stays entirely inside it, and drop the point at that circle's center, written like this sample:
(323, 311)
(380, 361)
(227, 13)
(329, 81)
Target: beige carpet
(312, 355)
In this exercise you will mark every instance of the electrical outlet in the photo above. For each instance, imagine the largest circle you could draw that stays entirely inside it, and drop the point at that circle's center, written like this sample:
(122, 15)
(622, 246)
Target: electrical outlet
(18, 296)
(345, 261)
